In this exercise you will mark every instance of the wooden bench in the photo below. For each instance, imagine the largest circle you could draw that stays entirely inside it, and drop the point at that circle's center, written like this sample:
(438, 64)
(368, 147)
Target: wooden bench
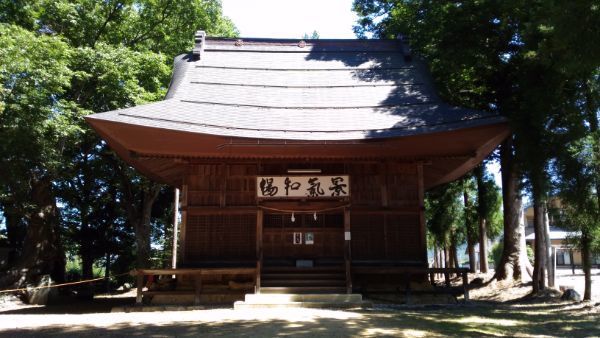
(196, 274)
(410, 271)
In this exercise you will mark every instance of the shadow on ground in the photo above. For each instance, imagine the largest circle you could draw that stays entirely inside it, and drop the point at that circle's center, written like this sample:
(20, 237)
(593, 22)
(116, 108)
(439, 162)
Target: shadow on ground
(475, 319)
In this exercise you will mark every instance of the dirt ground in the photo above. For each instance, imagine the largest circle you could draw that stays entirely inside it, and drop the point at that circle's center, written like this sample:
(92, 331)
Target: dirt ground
(498, 309)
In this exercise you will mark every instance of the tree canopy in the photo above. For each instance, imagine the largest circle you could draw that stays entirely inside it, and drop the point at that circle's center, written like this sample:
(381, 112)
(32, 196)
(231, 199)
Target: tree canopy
(59, 61)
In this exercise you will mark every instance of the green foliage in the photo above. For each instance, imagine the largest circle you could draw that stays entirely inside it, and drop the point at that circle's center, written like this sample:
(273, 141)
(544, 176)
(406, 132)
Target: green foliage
(495, 253)
(536, 62)
(61, 60)
(74, 272)
(314, 36)
(444, 214)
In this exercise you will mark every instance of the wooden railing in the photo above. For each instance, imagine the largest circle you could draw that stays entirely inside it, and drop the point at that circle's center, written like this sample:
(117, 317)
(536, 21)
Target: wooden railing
(408, 272)
(196, 274)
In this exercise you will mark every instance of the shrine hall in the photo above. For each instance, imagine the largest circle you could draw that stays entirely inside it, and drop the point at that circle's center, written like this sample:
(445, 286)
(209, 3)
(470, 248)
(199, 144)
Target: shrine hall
(302, 164)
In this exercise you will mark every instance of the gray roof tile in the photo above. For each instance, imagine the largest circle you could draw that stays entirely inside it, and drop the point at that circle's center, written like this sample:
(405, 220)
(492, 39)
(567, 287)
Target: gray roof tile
(329, 90)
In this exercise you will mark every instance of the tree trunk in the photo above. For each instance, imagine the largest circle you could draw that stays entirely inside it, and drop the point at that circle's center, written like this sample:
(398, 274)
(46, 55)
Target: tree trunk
(43, 253)
(143, 226)
(548, 245)
(472, 257)
(447, 259)
(86, 291)
(586, 257)
(539, 280)
(483, 245)
(509, 267)
(455, 256)
(470, 243)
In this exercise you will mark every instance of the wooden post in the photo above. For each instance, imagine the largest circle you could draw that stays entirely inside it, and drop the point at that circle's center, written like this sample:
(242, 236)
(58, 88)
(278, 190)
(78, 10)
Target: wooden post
(465, 279)
(259, 248)
(447, 278)
(140, 286)
(347, 250)
(407, 288)
(197, 288)
(184, 213)
(421, 195)
(175, 228)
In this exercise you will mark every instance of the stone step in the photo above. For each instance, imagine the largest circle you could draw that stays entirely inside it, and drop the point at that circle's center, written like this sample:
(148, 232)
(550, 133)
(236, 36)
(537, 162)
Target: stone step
(316, 305)
(262, 298)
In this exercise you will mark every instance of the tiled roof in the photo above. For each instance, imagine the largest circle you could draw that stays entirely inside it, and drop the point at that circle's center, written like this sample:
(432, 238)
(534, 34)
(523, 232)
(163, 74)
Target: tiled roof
(286, 89)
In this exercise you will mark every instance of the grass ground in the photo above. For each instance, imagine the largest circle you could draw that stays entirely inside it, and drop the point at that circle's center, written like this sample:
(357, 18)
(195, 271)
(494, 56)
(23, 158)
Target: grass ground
(496, 310)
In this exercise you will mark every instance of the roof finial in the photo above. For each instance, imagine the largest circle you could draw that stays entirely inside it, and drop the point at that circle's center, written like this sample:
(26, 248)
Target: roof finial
(199, 47)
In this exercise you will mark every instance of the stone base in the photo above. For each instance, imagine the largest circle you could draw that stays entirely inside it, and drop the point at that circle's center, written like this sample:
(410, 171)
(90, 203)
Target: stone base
(188, 299)
(319, 301)
(150, 308)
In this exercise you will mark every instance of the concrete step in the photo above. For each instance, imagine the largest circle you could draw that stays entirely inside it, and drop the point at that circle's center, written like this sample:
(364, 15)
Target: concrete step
(262, 298)
(294, 300)
(315, 305)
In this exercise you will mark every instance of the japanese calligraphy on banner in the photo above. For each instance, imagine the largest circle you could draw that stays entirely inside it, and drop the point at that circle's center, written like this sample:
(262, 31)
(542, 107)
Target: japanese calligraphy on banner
(302, 186)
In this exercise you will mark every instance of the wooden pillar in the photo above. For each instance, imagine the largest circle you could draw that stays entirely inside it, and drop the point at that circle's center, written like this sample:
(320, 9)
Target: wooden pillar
(347, 250)
(184, 214)
(259, 248)
(197, 288)
(175, 228)
(421, 195)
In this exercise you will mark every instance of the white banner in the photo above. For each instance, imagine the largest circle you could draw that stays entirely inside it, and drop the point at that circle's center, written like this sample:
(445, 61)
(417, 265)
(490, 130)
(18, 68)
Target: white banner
(302, 186)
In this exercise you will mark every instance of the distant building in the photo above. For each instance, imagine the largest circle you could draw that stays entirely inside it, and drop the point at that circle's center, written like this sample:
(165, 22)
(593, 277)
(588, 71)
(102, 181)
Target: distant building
(566, 255)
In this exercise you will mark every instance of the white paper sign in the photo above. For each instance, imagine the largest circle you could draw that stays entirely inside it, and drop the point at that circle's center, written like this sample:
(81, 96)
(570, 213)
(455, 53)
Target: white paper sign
(297, 238)
(302, 186)
(309, 238)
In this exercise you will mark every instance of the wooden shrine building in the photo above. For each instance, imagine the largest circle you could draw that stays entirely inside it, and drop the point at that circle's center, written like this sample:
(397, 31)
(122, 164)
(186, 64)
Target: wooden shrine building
(299, 155)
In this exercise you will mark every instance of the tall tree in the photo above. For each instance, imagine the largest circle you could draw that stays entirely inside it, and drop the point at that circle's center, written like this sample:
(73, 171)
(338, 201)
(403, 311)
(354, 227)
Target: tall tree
(35, 123)
(519, 58)
(70, 58)
(468, 46)
(470, 216)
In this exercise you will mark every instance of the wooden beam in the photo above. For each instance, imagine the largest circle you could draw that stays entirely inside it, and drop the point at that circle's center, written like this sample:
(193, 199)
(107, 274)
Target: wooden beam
(212, 210)
(197, 271)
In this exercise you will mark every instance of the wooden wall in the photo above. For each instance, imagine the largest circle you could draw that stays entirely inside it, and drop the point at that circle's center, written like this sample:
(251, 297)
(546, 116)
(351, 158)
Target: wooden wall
(222, 205)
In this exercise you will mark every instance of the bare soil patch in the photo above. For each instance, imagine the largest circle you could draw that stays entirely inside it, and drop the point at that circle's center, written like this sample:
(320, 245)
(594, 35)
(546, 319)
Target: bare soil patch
(498, 309)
